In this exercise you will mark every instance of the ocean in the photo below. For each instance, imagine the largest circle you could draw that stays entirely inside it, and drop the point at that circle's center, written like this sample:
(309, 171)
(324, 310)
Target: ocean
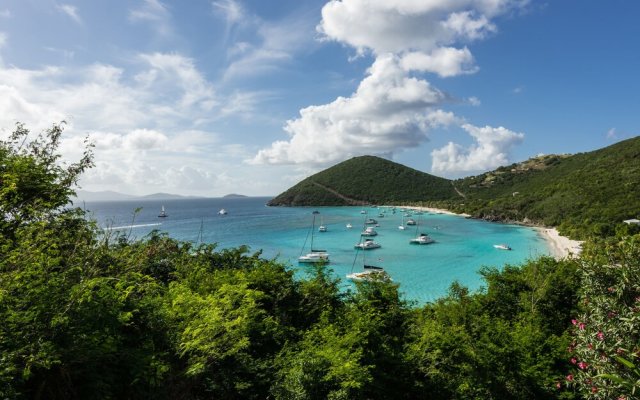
(425, 272)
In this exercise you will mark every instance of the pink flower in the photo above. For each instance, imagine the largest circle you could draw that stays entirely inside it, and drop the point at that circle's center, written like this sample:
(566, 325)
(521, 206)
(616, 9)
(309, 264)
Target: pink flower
(558, 385)
(594, 389)
(600, 335)
(570, 378)
(573, 360)
(574, 321)
(582, 365)
(581, 326)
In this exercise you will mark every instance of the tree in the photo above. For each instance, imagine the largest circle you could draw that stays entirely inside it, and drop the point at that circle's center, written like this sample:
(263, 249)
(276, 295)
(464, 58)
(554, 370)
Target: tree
(33, 184)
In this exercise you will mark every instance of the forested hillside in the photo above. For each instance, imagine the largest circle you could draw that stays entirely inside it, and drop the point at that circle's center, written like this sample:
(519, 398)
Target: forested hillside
(366, 180)
(583, 194)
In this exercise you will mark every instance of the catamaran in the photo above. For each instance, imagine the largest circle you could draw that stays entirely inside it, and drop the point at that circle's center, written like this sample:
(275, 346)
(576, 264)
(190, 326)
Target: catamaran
(315, 255)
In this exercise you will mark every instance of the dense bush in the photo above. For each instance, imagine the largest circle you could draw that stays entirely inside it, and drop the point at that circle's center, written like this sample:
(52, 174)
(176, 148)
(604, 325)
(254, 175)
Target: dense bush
(87, 314)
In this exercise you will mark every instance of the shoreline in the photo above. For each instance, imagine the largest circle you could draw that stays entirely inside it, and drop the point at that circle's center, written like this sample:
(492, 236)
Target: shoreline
(559, 246)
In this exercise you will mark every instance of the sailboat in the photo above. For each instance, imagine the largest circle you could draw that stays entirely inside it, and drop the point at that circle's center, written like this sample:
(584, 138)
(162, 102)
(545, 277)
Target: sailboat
(315, 256)
(322, 227)
(401, 226)
(422, 238)
(163, 213)
(369, 272)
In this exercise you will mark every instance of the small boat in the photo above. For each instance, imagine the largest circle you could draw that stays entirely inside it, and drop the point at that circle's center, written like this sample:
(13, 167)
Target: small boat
(349, 226)
(322, 227)
(381, 215)
(369, 231)
(363, 212)
(368, 244)
(370, 272)
(222, 211)
(163, 213)
(401, 226)
(411, 222)
(423, 238)
(370, 221)
(502, 246)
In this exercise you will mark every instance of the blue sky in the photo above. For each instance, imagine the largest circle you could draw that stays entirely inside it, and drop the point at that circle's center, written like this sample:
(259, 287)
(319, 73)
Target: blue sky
(209, 97)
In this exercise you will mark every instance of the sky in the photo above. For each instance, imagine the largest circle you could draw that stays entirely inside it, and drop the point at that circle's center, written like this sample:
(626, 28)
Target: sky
(210, 97)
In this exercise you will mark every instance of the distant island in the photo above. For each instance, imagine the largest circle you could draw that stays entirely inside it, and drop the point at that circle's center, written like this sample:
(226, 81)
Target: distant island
(108, 195)
(234, 196)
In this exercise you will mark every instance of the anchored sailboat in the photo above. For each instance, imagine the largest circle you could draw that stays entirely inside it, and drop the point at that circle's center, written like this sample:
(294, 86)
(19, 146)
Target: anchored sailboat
(315, 255)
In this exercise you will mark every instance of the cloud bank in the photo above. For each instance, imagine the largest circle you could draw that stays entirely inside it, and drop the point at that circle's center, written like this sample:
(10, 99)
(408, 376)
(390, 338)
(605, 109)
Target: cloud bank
(395, 107)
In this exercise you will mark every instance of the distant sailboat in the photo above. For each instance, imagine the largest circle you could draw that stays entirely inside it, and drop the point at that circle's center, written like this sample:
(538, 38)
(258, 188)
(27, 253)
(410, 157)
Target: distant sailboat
(222, 211)
(163, 213)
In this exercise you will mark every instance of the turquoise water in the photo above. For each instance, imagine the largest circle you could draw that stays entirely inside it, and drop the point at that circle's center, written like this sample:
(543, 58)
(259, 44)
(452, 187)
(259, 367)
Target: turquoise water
(424, 272)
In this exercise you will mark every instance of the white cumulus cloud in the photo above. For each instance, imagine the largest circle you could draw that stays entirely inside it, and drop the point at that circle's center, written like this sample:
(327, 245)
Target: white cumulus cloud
(394, 108)
(444, 61)
(389, 111)
(490, 150)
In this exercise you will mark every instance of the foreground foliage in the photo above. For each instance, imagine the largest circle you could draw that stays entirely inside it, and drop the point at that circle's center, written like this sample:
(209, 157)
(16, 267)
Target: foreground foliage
(87, 314)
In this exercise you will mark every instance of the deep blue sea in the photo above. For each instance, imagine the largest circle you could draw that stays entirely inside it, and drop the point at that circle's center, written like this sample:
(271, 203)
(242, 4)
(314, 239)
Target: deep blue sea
(424, 272)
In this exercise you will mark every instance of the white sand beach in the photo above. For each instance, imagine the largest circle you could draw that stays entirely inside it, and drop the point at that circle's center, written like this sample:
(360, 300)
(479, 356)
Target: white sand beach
(561, 246)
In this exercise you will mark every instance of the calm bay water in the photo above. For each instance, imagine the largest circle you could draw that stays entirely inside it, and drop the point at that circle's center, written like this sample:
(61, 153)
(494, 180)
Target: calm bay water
(423, 271)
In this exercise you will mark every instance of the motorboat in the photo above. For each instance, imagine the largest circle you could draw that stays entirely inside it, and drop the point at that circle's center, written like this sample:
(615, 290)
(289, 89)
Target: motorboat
(370, 221)
(423, 238)
(222, 211)
(369, 231)
(502, 246)
(368, 244)
(411, 222)
(349, 226)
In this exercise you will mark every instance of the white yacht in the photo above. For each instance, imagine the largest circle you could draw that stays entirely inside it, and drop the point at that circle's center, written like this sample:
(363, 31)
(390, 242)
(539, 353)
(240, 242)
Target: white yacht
(411, 222)
(315, 256)
(349, 226)
(368, 244)
(222, 211)
(423, 238)
(369, 231)
(502, 246)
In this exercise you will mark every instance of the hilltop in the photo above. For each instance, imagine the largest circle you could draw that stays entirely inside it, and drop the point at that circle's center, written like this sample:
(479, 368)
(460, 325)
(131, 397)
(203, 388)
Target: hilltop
(366, 180)
(583, 194)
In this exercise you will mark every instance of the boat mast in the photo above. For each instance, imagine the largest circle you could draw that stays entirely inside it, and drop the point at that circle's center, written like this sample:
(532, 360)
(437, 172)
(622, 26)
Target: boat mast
(313, 227)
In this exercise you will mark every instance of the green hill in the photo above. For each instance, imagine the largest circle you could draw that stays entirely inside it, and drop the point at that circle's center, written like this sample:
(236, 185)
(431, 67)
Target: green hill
(583, 194)
(366, 180)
